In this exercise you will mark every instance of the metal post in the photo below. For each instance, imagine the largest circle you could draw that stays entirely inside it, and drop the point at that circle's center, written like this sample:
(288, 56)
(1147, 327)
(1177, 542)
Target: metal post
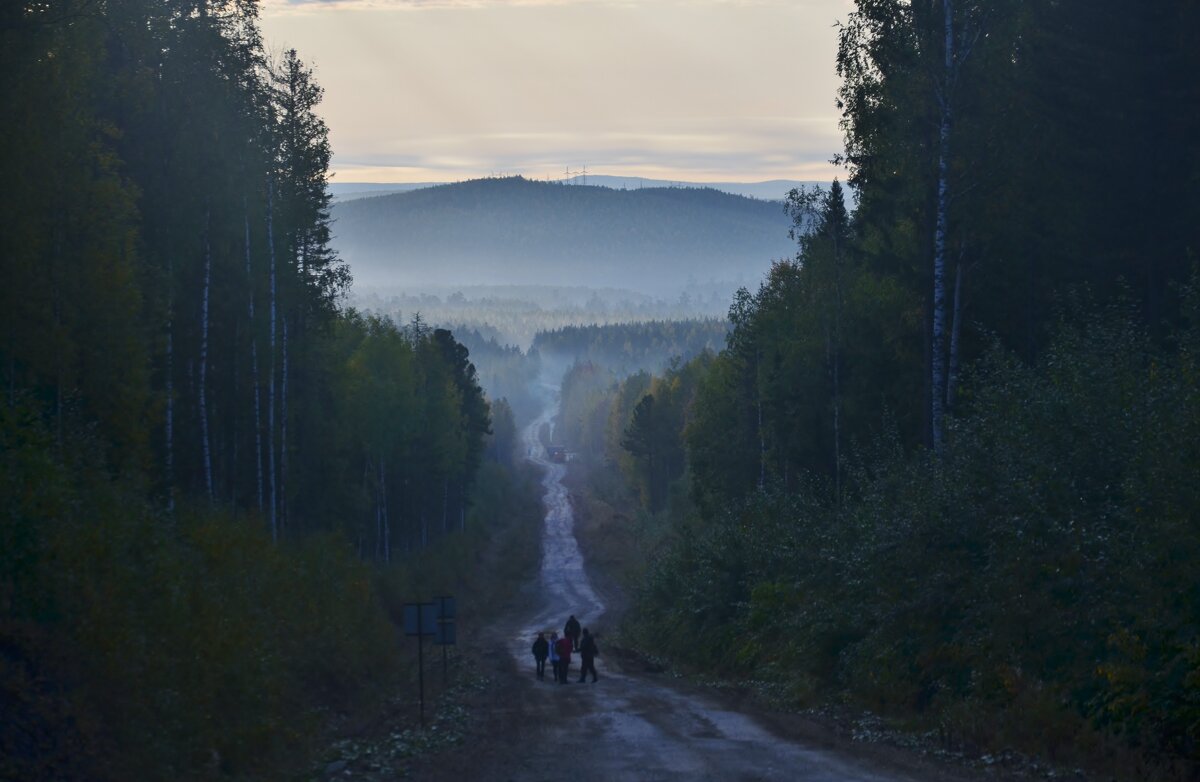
(421, 663)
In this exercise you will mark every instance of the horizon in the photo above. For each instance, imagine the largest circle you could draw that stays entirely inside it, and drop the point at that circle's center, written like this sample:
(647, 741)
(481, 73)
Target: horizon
(573, 180)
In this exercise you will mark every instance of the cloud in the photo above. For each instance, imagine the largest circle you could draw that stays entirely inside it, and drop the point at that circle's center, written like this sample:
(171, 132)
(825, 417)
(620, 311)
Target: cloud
(318, 6)
(311, 6)
(691, 90)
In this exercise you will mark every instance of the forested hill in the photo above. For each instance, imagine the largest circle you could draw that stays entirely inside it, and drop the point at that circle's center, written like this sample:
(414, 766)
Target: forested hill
(514, 230)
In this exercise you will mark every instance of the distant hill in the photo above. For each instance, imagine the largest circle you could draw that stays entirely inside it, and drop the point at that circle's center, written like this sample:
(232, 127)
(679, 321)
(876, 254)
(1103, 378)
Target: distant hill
(516, 231)
(771, 190)
(348, 191)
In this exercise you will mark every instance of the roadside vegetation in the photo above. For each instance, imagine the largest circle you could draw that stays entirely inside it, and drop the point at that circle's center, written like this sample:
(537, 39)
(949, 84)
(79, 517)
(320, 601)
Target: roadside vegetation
(943, 470)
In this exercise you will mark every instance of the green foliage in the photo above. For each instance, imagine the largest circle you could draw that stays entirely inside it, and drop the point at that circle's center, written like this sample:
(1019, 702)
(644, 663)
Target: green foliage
(196, 445)
(206, 648)
(1041, 571)
(583, 409)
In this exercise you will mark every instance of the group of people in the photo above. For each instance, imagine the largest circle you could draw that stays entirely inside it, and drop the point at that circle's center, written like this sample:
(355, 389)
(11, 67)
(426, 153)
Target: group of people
(558, 650)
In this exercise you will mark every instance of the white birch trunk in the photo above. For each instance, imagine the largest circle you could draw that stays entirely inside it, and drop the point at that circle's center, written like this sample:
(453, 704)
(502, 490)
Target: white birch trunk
(378, 526)
(378, 517)
(762, 437)
(206, 453)
(258, 464)
(938, 357)
(170, 387)
(170, 391)
(271, 380)
(283, 421)
(837, 368)
(956, 324)
(387, 525)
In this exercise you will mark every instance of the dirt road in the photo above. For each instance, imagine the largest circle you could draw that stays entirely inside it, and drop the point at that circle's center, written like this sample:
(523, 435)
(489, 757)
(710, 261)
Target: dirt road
(631, 725)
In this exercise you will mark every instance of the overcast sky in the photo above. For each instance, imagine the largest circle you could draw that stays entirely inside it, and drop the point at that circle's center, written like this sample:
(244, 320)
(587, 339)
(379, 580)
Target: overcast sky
(689, 90)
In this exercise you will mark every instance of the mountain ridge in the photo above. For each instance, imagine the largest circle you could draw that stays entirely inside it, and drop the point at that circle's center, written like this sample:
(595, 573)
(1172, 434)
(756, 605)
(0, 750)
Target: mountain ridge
(517, 231)
(767, 190)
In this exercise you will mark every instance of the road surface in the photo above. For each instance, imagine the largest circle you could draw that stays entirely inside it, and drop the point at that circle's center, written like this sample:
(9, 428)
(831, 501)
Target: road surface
(631, 725)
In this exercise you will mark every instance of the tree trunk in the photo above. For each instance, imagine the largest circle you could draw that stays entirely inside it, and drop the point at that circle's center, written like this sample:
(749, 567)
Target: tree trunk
(170, 390)
(206, 452)
(283, 422)
(387, 525)
(938, 364)
(955, 326)
(258, 462)
(762, 437)
(271, 380)
(837, 369)
(445, 505)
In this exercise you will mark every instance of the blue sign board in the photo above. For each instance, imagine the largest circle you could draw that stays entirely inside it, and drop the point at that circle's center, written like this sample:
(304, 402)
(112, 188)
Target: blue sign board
(420, 619)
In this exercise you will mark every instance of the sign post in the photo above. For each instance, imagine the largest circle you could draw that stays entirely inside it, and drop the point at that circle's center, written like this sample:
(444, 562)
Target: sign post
(445, 635)
(430, 619)
(420, 620)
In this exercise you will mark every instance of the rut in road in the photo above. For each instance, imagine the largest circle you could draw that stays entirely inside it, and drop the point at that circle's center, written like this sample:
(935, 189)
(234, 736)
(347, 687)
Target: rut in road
(630, 725)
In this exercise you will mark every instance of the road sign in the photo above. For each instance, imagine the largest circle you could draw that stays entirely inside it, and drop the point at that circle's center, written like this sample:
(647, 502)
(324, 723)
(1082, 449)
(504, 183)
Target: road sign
(420, 619)
(445, 634)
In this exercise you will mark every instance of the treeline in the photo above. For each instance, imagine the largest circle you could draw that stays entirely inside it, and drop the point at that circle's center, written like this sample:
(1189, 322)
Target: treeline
(632, 425)
(505, 371)
(942, 469)
(198, 449)
(630, 347)
(514, 314)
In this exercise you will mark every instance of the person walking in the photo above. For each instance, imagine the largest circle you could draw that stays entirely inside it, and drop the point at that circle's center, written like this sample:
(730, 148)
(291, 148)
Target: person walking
(571, 630)
(541, 650)
(587, 652)
(564, 658)
(555, 660)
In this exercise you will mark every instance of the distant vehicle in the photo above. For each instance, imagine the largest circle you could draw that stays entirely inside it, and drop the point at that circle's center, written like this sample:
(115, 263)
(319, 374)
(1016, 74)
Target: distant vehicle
(557, 453)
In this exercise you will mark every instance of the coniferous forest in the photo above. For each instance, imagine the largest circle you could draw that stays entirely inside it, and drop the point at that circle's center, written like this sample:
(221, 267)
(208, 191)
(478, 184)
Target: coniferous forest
(206, 464)
(945, 468)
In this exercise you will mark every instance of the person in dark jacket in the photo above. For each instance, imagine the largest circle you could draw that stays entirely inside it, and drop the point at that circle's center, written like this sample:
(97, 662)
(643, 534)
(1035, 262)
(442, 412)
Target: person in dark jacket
(588, 651)
(571, 630)
(541, 650)
(564, 658)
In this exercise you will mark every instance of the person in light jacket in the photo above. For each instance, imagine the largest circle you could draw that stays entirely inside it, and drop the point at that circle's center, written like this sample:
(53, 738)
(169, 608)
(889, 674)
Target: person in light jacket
(555, 661)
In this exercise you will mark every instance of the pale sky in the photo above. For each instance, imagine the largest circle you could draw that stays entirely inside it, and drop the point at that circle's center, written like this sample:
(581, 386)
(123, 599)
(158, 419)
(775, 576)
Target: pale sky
(688, 90)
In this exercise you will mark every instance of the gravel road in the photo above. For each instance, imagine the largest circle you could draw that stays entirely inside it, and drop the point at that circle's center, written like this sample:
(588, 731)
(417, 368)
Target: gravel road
(634, 725)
